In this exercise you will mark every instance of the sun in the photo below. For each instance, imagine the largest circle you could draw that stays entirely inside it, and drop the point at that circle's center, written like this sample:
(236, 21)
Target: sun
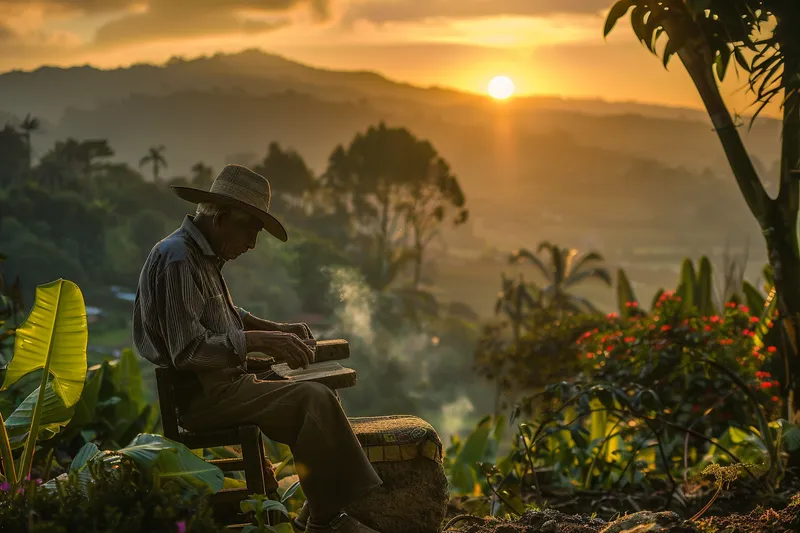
(501, 87)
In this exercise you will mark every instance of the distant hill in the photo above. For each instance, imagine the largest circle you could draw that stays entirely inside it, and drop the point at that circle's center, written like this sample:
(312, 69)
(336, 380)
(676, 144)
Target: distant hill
(621, 177)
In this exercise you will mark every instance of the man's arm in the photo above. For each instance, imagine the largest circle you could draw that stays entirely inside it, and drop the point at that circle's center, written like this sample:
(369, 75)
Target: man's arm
(253, 323)
(191, 346)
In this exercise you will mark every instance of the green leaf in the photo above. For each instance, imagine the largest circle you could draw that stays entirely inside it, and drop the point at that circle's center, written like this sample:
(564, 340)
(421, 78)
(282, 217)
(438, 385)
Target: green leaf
(54, 338)
(755, 300)
(463, 475)
(85, 409)
(127, 376)
(686, 287)
(656, 297)
(84, 455)
(624, 293)
(171, 460)
(618, 10)
(262, 506)
(768, 313)
(704, 289)
(54, 416)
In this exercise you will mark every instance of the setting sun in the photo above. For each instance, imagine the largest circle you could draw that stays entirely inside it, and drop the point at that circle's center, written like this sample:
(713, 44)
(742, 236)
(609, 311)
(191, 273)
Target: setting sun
(501, 87)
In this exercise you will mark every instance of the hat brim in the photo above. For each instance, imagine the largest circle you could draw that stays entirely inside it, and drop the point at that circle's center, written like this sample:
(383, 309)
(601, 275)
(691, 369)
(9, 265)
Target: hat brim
(199, 196)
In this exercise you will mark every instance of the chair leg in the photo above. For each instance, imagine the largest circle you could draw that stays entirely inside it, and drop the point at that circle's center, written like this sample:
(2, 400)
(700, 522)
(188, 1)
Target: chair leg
(253, 458)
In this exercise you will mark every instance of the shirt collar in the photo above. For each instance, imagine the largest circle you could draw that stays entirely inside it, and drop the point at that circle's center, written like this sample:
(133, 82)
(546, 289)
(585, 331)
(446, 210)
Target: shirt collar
(197, 235)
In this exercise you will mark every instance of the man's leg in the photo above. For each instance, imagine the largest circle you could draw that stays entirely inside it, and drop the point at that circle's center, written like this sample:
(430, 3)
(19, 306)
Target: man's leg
(333, 469)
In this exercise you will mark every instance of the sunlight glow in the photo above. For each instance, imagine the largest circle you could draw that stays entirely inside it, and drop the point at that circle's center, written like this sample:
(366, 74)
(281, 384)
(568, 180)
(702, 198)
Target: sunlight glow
(501, 87)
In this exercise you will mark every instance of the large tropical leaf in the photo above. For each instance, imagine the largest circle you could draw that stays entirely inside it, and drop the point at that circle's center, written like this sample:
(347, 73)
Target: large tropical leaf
(704, 289)
(686, 287)
(156, 455)
(523, 254)
(53, 417)
(53, 338)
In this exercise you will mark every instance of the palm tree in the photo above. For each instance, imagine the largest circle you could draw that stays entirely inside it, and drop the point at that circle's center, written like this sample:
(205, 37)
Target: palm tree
(28, 126)
(566, 270)
(516, 299)
(155, 157)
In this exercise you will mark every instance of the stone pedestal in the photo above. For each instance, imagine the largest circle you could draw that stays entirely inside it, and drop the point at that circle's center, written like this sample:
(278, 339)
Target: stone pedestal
(407, 454)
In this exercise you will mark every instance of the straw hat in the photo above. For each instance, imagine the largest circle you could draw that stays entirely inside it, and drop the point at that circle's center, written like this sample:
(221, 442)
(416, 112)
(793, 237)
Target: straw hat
(239, 187)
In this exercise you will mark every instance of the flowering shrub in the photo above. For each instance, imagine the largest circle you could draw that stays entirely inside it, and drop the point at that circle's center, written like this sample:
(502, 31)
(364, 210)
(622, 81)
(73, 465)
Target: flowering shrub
(667, 351)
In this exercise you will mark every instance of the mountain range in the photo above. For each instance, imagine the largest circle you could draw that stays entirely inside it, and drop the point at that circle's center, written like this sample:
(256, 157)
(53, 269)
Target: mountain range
(643, 183)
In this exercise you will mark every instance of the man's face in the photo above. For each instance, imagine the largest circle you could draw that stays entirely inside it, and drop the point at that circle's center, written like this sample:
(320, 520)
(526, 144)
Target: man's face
(238, 233)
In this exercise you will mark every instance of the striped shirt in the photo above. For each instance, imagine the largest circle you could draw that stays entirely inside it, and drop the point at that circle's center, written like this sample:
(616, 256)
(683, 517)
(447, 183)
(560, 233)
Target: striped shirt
(183, 315)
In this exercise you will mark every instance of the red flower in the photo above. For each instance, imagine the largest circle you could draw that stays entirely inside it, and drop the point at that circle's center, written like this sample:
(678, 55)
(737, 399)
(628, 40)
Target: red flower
(775, 398)
(714, 318)
(766, 385)
(772, 349)
(731, 305)
(754, 319)
(609, 348)
(629, 339)
(707, 328)
(612, 315)
(744, 309)
(666, 327)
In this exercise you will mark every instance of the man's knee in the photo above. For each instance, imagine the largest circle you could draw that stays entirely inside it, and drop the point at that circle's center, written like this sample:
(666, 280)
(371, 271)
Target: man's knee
(316, 393)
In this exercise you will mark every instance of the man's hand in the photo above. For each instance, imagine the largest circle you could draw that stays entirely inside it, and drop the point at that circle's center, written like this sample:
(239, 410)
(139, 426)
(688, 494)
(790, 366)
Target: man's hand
(300, 329)
(283, 346)
(253, 323)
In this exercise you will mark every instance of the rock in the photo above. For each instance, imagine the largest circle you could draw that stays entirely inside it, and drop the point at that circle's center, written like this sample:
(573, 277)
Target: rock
(644, 522)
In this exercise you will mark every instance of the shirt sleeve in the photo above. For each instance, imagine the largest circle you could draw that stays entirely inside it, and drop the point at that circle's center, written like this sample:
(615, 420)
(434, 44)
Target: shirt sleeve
(191, 346)
(242, 312)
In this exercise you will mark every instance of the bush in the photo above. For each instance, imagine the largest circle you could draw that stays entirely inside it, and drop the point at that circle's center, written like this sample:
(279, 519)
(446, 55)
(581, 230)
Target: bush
(119, 502)
(668, 351)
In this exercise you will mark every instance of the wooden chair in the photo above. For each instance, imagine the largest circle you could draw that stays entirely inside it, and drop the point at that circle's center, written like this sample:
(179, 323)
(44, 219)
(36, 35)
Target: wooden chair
(258, 470)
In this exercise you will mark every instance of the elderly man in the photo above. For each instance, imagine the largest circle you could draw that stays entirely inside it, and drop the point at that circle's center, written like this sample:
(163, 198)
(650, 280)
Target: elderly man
(184, 317)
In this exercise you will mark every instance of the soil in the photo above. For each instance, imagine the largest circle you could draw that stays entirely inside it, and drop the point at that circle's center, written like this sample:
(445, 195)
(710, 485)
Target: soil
(786, 520)
(733, 512)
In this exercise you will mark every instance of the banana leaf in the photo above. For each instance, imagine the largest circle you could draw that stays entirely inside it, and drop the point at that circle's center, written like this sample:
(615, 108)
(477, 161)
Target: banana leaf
(54, 338)
(53, 417)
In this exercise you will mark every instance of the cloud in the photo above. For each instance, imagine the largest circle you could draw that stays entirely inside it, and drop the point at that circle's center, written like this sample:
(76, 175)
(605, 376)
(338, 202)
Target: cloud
(6, 34)
(131, 21)
(380, 11)
(184, 18)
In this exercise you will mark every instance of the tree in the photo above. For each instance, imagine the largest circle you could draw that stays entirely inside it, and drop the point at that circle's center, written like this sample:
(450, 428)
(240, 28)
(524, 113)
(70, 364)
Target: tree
(430, 199)
(388, 180)
(12, 156)
(155, 158)
(71, 163)
(706, 35)
(566, 270)
(202, 175)
(28, 126)
(289, 176)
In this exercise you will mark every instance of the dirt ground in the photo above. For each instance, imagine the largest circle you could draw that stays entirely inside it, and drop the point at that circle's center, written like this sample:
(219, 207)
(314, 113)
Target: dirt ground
(786, 520)
(759, 520)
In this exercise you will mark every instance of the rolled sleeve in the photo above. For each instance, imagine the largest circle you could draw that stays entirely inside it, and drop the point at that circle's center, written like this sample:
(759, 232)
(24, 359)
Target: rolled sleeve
(242, 312)
(190, 344)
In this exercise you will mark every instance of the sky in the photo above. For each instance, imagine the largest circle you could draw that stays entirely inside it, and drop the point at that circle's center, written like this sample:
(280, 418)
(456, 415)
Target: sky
(547, 47)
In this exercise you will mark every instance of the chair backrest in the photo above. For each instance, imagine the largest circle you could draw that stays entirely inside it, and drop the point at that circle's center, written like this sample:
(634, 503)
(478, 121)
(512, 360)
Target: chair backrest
(166, 402)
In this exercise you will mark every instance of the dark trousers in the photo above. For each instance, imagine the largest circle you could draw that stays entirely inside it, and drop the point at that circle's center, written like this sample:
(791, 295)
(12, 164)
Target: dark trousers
(306, 416)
